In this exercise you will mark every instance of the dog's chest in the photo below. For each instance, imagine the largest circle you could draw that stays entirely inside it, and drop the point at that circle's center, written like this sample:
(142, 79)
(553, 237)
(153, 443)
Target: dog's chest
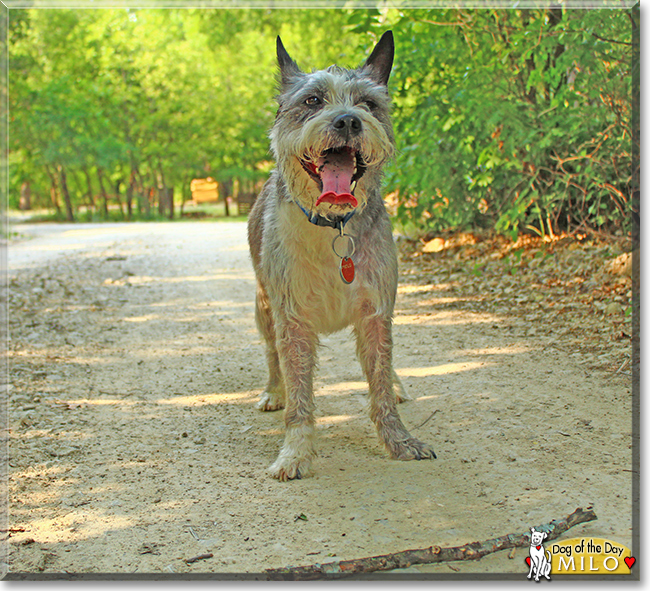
(312, 270)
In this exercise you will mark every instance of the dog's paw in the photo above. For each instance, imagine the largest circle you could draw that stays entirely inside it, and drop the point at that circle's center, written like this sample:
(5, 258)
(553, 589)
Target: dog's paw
(270, 401)
(411, 449)
(284, 469)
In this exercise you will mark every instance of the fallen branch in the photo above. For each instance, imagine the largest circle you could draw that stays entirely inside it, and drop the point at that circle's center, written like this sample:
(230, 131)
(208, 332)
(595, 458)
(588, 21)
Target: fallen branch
(13, 530)
(472, 551)
(200, 557)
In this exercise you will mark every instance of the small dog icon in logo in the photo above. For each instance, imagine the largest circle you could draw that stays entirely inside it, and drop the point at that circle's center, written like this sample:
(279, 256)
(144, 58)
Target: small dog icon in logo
(540, 565)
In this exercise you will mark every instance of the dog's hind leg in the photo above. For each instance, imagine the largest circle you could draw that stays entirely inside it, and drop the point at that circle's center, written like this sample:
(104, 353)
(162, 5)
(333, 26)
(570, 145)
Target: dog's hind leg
(374, 348)
(296, 344)
(273, 396)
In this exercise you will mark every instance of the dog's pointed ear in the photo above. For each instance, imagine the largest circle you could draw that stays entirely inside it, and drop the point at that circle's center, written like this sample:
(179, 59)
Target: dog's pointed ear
(380, 62)
(288, 68)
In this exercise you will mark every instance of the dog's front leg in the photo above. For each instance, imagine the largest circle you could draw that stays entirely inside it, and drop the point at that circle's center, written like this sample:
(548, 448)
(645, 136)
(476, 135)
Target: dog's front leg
(273, 397)
(296, 345)
(374, 348)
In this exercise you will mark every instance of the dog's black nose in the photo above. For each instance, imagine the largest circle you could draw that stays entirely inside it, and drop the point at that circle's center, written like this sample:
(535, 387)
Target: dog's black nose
(347, 125)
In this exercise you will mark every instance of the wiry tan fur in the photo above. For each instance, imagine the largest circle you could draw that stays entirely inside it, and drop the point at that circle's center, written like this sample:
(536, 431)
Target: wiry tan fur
(300, 293)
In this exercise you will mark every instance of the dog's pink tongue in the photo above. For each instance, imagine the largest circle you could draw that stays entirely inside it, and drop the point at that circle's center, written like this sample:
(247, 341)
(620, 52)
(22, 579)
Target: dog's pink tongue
(336, 170)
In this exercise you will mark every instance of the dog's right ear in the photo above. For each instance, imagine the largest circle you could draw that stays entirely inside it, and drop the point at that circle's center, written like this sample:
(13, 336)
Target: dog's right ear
(288, 68)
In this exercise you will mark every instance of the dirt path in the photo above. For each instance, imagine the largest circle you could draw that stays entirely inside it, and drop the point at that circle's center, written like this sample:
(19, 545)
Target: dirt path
(134, 443)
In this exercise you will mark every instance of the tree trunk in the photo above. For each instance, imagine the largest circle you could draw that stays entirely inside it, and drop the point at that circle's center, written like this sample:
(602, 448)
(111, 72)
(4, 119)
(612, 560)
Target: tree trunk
(129, 194)
(25, 197)
(118, 198)
(66, 195)
(170, 202)
(184, 187)
(148, 200)
(162, 192)
(102, 190)
(53, 190)
(129, 200)
(227, 192)
(89, 194)
(140, 191)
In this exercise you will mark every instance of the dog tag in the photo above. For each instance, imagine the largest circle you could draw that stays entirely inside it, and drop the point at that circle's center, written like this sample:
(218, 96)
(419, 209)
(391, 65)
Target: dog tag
(347, 269)
(346, 266)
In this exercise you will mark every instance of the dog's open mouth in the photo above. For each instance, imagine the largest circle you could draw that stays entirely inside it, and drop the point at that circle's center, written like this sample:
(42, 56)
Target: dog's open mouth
(336, 172)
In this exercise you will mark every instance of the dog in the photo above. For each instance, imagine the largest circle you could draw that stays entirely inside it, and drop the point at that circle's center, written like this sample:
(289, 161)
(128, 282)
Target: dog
(540, 565)
(322, 247)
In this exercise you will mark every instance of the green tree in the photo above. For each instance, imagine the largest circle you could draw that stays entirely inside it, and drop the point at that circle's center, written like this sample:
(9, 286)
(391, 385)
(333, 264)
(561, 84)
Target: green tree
(514, 119)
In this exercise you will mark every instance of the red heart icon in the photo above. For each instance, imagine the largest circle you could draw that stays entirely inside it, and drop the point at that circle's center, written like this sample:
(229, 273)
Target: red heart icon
(538, 547)
(528, 560)
(629, 560)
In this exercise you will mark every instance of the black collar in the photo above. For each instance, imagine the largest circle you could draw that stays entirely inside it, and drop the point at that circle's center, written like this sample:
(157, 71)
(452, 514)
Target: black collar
(319, 220)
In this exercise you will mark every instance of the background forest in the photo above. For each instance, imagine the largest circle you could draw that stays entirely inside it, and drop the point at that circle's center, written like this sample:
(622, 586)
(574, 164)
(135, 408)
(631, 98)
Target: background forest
(509, 120)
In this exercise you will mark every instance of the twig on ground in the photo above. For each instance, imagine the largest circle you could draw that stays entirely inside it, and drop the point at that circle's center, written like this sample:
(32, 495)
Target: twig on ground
(426, 420)
(625, 364)
(471, 551)
(13, 530)
(200, 557)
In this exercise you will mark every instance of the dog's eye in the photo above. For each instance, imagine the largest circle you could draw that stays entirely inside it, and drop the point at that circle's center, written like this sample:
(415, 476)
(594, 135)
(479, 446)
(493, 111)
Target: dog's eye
(372, 105)
(312, 101)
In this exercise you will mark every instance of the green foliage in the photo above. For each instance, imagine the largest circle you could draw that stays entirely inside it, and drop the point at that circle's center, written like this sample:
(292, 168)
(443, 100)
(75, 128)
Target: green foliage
(517, 120)
(130, 103)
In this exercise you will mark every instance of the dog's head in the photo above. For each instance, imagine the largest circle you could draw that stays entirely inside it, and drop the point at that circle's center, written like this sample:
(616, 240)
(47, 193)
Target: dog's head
(537, 537)
(332, 131)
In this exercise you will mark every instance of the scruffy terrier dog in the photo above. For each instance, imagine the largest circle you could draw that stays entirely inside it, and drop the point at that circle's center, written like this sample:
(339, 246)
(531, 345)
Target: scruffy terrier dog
(322, 247)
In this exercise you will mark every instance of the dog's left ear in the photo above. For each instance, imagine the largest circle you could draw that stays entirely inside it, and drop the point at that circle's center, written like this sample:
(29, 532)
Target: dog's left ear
(380, 62)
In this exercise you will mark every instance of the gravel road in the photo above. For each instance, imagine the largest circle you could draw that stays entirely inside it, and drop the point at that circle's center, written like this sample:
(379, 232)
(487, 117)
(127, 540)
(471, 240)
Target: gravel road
(135, 445)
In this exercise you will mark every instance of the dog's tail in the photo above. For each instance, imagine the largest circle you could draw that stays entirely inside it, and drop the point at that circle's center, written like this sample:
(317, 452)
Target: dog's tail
(549, 557)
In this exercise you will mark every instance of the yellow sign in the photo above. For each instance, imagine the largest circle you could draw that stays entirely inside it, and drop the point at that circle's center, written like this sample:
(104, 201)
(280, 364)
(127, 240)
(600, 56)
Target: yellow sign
(589, 556)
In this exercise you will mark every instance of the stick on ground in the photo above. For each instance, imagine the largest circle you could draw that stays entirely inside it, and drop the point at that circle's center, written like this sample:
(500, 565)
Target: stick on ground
(200, 557)
(471, 551)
